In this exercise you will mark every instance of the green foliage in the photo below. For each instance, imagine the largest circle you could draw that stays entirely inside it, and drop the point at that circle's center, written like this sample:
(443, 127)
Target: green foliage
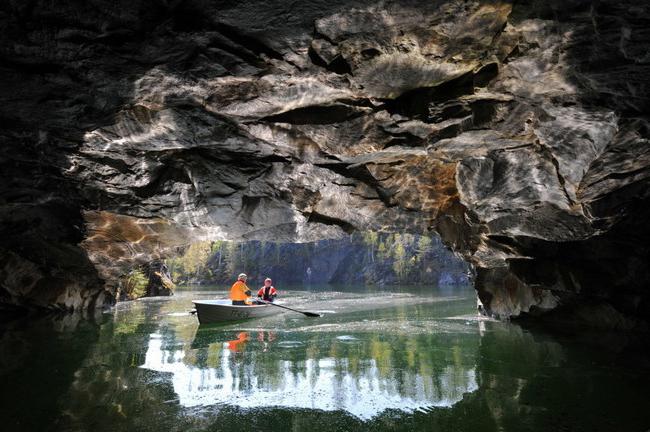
(193, 263)
(216, 246)
(134, 284)
(371, 239)
(399, 265)
(404, 260)
(424, 247)
(382, 251)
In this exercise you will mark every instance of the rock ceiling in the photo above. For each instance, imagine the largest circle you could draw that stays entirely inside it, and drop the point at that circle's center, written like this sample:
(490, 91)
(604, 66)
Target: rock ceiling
(518, 132)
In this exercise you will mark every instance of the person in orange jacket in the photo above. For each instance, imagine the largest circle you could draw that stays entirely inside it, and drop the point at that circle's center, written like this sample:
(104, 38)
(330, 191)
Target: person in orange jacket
(268, 291)
(239, 292)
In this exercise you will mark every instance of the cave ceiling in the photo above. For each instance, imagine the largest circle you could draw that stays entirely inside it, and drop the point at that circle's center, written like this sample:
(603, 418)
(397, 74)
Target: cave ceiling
(517, 131)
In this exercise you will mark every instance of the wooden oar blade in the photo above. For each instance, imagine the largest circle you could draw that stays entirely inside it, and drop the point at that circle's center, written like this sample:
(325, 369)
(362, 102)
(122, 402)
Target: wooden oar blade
(312, 314)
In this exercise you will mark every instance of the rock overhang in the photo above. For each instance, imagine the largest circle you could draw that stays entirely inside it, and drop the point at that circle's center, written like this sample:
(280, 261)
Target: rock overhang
(491, 126)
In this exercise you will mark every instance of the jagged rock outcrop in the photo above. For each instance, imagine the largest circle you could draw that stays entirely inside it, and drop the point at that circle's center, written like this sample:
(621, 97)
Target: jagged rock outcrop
(518, 131)
(160, 281)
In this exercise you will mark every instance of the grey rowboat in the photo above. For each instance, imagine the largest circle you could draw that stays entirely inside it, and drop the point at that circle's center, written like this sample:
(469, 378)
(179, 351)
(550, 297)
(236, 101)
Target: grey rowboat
(216, 311)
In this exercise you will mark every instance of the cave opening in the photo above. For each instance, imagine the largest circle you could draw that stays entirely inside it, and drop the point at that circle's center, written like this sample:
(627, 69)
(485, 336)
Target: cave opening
(373, 261)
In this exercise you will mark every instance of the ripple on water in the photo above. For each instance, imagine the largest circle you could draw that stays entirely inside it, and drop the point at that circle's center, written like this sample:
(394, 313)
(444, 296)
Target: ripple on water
(347, 338)
(290, 344)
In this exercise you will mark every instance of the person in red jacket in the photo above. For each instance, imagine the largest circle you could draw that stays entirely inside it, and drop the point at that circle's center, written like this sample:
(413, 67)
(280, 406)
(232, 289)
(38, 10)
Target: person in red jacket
(268, 291)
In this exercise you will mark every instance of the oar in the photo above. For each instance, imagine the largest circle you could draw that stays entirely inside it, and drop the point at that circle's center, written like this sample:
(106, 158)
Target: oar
(309, 314)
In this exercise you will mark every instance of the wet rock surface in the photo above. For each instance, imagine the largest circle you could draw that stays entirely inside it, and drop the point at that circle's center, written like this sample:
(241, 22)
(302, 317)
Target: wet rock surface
(517, 131)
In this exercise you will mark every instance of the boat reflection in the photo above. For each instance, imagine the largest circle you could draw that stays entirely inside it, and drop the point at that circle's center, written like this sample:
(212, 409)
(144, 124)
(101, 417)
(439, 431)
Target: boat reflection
(238, 344)
(363, 375)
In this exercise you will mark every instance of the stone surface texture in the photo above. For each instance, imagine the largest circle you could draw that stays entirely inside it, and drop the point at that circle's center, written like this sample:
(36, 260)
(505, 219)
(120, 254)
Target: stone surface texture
(517, 131)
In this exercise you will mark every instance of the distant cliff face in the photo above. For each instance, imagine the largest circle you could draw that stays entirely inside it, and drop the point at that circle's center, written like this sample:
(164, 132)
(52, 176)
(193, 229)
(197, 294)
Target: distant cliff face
(519, 132)
(361, 258)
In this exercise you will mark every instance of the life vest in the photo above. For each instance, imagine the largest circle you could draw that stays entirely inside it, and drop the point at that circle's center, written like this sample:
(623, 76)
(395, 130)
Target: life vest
(267, 293)
(238, 291)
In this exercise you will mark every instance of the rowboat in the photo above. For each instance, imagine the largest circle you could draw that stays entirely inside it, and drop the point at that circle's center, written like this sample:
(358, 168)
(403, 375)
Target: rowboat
(216, 311)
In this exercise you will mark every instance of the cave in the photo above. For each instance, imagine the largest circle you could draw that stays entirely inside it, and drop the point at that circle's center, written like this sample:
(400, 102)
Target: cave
(517, 131)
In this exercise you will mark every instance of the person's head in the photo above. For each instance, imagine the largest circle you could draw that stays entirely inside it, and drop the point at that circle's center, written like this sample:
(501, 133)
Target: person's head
(242, 277)
(268, 282)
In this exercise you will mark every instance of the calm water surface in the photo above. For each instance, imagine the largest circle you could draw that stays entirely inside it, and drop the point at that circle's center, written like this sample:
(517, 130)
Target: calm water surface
(410, 359)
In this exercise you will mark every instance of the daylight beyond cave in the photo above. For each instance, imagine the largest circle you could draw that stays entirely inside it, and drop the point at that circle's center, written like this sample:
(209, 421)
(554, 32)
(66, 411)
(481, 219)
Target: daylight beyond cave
(361, 259)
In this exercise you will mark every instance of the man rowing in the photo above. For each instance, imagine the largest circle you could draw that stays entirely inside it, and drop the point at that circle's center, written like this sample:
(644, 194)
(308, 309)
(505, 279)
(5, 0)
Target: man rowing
(239, 293)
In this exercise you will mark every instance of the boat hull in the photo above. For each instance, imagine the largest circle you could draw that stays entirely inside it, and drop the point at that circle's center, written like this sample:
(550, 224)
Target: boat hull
(218, 311)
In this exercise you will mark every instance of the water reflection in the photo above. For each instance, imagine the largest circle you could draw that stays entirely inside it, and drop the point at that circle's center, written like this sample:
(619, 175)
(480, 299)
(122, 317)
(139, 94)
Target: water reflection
(147, 366)
(238, 344)
(324, 372)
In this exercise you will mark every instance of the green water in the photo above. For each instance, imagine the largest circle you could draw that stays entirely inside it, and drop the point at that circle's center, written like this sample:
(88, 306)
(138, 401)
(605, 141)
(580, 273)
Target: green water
(410, 359)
